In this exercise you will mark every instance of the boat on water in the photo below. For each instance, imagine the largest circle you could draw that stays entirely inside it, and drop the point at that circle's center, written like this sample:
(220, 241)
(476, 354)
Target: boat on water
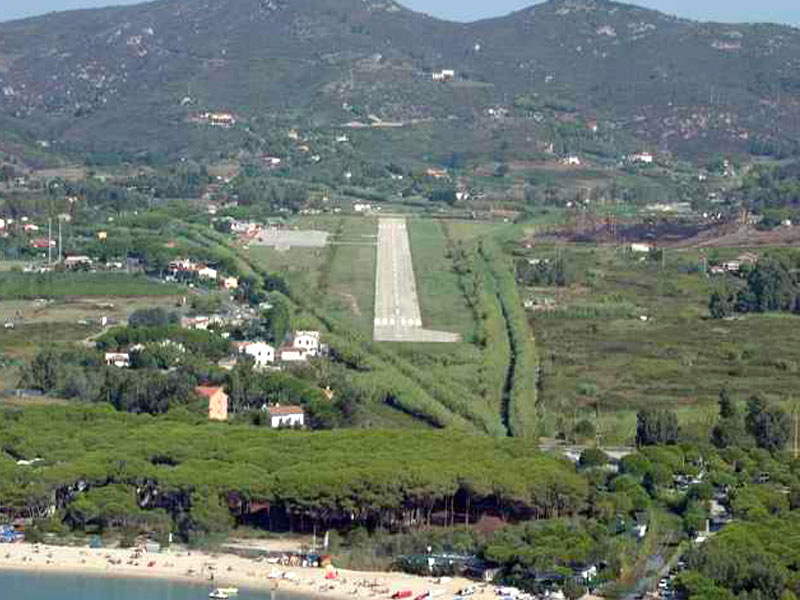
(223, 593)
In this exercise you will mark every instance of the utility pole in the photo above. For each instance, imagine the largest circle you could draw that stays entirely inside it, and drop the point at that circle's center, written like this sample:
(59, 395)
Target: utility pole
(49, 242)
(796, 432)
(60, 250)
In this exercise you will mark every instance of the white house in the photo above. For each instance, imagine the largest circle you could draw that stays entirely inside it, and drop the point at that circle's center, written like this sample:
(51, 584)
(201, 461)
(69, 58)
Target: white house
(207, 273)
(732, 266)
(286, 416)
(444, 75)
(641, 248)
(642, 157)
(230, 283)
(263, 354)
(118, 359)
(572, 161)
(2, 224)
(74, 261)
(306, 340)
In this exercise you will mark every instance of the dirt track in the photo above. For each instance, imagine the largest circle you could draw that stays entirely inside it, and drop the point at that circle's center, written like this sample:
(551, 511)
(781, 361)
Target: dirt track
(398, 317)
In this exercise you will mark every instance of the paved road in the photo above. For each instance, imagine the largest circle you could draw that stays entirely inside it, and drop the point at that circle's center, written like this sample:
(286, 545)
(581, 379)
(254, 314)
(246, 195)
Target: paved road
(398, 317)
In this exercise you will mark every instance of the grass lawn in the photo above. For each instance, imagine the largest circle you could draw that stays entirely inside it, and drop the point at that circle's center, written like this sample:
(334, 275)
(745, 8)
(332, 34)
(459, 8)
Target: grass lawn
(299, 266)
(442, 302)
(340, 277)
(350, 289)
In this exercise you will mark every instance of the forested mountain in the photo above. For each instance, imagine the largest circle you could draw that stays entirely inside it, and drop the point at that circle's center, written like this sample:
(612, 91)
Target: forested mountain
(133, 76)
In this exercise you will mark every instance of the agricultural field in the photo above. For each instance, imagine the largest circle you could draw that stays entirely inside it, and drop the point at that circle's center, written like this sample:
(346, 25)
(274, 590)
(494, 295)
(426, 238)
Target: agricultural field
(629, 333)
(53, 285)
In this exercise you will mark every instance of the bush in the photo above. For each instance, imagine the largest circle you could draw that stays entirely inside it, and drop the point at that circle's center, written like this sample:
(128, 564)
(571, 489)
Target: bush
(593, 457)
(584, 429)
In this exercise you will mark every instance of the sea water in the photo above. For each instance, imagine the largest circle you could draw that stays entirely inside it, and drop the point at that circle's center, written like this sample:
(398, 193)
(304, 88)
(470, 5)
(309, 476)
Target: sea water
(40, 586)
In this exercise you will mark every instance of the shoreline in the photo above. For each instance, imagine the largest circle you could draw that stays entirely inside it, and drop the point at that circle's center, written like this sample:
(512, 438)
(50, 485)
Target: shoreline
(228, 570)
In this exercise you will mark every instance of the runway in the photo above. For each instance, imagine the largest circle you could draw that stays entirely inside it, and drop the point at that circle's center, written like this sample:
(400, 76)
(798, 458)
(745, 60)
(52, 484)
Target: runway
(398, 317)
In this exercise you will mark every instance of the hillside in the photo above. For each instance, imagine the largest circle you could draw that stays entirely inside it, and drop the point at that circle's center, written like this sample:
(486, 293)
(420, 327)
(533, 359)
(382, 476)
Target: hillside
(132, 78)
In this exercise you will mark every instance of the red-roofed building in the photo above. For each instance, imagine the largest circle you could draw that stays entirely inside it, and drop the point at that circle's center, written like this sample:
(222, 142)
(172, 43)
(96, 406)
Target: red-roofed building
(217, 402)
(42, 243)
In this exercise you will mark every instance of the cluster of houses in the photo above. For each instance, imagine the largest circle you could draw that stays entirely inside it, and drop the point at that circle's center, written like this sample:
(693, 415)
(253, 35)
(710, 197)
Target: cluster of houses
(303, 345)
(185, 268)
(281, 416)
(23, 225)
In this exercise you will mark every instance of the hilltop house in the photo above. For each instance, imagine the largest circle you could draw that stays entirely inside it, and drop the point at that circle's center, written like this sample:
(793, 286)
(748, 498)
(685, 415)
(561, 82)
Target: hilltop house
(286, 416)
(230, 283)
(217, 402)
(263, 354)
(444, 75)
(220, 119)
(641, 248)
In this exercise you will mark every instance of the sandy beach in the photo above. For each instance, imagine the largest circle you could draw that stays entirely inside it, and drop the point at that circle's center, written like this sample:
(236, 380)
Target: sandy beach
(227, 570)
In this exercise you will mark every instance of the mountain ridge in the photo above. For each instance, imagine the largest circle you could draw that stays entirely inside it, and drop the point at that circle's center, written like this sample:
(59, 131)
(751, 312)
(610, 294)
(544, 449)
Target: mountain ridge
(83, 78)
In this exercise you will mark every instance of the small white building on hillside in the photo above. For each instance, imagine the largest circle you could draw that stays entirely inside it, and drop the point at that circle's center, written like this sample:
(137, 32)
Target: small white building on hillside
(645, 158)
(641, 248)
(207, 273)
(121, 360)
(307, 341)
(286, 416)
(263, 354)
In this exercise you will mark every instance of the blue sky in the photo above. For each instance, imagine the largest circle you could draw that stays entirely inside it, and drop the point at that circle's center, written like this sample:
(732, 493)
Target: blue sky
(779, 11)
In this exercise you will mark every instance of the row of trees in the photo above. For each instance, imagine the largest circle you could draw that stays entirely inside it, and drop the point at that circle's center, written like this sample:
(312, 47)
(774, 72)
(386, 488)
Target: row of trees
(522, 409)
(344, 478)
